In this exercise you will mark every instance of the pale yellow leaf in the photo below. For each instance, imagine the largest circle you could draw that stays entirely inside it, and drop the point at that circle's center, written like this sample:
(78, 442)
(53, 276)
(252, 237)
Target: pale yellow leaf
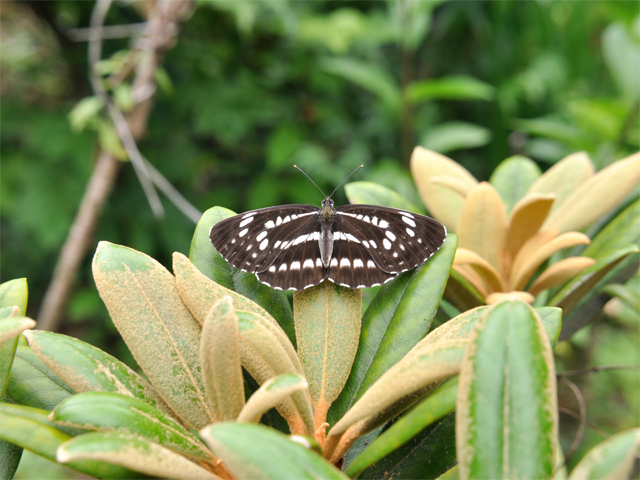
(564, 177)
(597, 196)
(526, 218)
(560, 272)
(482, 225)
(529, 247)
(489, 274)
(454, 184)
(442, 203)
(269, 395)
(471, 276)
(220, 361)
(529, 265)
(498, 297)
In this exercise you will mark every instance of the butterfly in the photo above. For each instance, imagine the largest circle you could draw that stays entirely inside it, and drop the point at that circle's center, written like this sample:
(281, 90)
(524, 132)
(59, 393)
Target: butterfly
(295, 247)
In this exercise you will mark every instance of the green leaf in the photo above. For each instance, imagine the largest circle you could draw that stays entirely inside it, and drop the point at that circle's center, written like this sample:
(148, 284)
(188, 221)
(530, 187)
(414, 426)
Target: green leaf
(586, 285)
(513, 177)
(259, 453)
(369, 193)
(15, 292)
(610, 460)
(220, 360)
(8, 349)
(205, 257)
(270, 394)
(425, 456)
(506, 415)
(461, 294)
(33, 384)
(622, 231)
(368, 77)
(29, 428)
(264, 356)
(11, 327)
(454, 87)
(112, 411)
(622, 54)
(449, 136)
(631, 296)
(10, 456)
(437, 405)
(397, 318)
(327, 328)
(552, 320)
(133, 285)
(110, 140)
(86, 368)
(85, 112)
(283, 143)
(132, 452)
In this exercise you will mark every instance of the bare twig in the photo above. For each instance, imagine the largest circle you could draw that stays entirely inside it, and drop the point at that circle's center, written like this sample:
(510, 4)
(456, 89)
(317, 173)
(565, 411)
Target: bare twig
(583, 417)
(162, 26)
(107, 32)
(575, 415)
(603, 368)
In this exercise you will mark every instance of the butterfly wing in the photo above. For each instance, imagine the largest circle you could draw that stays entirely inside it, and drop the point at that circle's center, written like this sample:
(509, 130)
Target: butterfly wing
(395, 240)
(275, 243)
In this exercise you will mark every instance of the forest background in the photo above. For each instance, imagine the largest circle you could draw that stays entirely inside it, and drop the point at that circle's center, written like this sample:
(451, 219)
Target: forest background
(251, 88)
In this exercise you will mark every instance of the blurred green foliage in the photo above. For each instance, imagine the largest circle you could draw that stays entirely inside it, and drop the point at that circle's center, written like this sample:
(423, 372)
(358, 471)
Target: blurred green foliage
(253, 87)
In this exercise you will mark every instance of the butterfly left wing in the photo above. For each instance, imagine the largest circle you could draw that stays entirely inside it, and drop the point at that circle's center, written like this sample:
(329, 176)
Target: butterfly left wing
(251, 241)
(395, 240)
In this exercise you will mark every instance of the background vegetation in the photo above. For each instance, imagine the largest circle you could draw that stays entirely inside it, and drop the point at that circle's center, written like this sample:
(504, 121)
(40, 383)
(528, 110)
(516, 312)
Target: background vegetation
(251, 88)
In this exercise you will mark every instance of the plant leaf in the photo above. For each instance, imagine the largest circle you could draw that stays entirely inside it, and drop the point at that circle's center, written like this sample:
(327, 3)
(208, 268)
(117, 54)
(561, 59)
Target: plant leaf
(15, 292)
(206, 259)
(327, 320)
(483, 268)
(86, 368)
(11, 327)
(409, 461)
(525, 220)
(461, 294)
(559, 273)
(525, 266)
(106, 411)
(507, 396)
(610, 460)
(270, 394)
(551, 318)
(8, 349)
(437, 405)
(369, 193)
(32, 383)
(368, 77)
(132, 452)
(513, 177)
(482, 225)
(264, 357)
(133, 284)
(10, 456)
(220, 360)
(596, 196)
(29, 428)
(622, 231)
(454, 87)
(449, 136)
(564, 177)
(442, 203)
(399, 315)
(249, 451)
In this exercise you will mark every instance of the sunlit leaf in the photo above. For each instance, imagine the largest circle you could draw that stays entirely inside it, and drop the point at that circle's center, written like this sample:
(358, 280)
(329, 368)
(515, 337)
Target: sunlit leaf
(368, 193)
(612, 459)
(513, 177)
(455, 87)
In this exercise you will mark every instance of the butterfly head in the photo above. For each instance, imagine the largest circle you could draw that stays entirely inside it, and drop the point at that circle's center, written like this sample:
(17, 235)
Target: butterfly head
(327, 209)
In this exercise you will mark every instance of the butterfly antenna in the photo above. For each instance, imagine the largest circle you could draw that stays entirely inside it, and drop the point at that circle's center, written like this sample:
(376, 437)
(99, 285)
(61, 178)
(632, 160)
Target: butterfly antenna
(345, 180)
(295, 166)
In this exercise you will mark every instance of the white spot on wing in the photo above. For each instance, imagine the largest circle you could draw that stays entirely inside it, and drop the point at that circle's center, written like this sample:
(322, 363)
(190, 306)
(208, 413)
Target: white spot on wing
(261, 235)
(279, 220)
(243, 232)
(371, 264)
(344, 262)
(357, 263)
(272, 268)
(283, 268)
(246, 221)
(387, 244)
(308, 263)
(295, 265)
(383, 224)
(277, 244)
(408, 221)
(334, 262)
(365, 243)
(351, 238)
(411, 232)
(264, 244)
(406, 214)
(373, 244)
(318, 262)
(389, 235)
(269, 224)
